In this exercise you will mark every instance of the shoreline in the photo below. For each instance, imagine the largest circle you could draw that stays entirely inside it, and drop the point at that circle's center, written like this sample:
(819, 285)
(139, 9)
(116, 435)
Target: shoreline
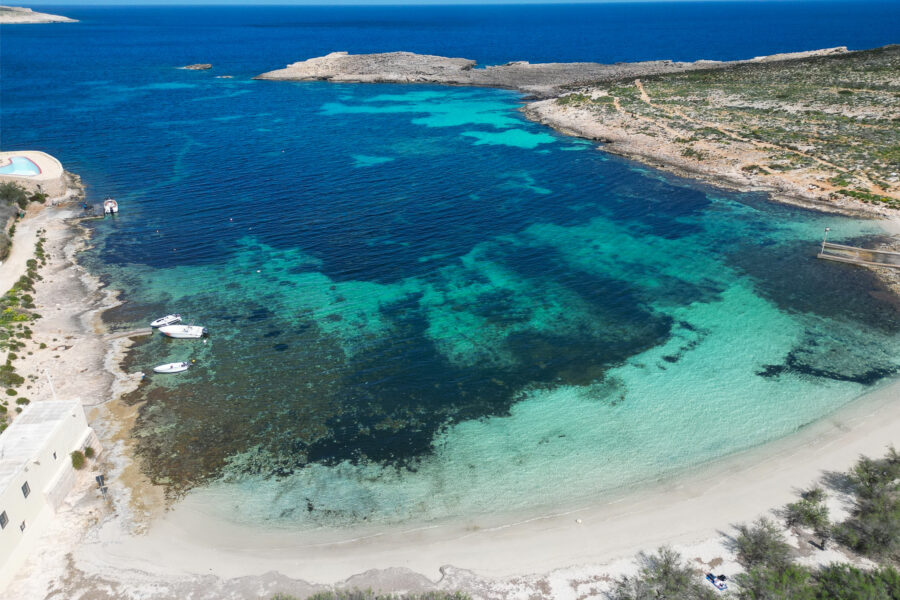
(565, 96)
(687, 508)
(19, 15)
(137, 542)
(612, 140)
(135, 539)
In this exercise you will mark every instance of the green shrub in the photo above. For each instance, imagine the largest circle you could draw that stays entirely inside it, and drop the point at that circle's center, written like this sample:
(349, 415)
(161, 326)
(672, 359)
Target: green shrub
(873, 528)
(77, 459)
(762, 545)
(576, 98)
(370, 595)
(23, 401)
(760, 582)
(662, 575)
(8, 376)
(10, 194)
(89, 452)
(842, 581)
(11, 392)
(810, 511)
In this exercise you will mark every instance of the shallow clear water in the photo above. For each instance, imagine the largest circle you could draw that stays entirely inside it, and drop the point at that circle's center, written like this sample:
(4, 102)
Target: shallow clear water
(421, 304)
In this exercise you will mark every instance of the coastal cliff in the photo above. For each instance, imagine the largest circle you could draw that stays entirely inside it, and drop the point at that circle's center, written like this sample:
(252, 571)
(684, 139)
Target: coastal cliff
(12, 15)
(814, 128)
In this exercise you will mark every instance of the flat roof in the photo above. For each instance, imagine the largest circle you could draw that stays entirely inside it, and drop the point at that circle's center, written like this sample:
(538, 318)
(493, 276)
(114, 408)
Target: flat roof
(29, 433)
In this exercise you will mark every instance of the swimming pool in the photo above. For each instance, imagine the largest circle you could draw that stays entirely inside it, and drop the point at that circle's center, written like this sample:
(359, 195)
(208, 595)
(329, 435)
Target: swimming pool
(20, 165)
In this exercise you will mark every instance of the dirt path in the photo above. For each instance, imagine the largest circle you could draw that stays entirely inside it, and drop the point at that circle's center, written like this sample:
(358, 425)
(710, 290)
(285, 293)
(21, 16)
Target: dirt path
(645, 97)
(23, 243)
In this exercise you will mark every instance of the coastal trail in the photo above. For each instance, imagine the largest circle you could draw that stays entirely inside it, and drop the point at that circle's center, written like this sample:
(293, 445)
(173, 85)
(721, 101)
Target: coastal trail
(671, 112)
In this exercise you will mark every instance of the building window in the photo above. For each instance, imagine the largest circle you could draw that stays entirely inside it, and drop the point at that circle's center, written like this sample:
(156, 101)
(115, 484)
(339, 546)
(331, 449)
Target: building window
(3, 520)
(26, 489)
(22, 526)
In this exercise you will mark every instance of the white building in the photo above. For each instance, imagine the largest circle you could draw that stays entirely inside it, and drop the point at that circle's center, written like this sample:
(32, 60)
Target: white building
(36, 474)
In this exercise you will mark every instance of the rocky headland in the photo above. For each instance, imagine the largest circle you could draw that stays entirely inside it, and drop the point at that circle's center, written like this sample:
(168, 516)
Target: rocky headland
(540, 79)
(10, 15)
(814, 128)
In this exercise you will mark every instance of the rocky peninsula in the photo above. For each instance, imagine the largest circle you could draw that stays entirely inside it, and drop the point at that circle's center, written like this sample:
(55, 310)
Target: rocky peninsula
(541, 79)
(815, 128)
(10, 15)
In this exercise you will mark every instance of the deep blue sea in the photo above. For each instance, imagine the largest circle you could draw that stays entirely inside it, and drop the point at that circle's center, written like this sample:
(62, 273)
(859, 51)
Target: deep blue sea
(421, 304)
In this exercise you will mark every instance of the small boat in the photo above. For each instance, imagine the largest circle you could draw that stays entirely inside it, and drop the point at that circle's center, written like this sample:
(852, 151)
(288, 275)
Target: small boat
(172, 368)
(166, 320)
(110, 206)
(183, 331)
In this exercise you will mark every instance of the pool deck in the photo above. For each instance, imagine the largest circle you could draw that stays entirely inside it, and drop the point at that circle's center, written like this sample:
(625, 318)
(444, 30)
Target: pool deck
(51, 180)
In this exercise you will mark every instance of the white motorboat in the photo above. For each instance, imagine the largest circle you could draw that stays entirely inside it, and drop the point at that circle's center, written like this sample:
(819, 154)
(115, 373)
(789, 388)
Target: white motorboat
(172, 368)
(183, 331)
(166, 320)
(110, 206)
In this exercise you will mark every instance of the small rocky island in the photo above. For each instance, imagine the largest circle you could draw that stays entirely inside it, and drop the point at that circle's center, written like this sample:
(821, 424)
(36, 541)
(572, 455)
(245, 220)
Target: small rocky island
(817, 128)
(12, 15)
(197, 67)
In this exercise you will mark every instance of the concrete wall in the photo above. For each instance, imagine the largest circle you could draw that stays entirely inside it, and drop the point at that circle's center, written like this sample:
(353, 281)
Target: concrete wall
(50, 476)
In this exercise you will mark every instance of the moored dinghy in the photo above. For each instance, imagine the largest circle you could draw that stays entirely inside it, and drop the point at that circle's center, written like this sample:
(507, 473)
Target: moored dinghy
(183, 331)
(110, 206)
(166, 320)
(172, 368)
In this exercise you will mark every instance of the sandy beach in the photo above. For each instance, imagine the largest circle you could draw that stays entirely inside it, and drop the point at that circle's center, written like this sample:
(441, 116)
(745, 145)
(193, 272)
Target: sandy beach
(137, 546)
(186, 550)
(687, 509)
(129, 543)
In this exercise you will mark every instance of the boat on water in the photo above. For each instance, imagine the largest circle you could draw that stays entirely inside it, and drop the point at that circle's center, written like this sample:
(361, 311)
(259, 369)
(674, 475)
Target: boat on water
(166, 320)
(176, 367)
(110, 206)
(183, 331)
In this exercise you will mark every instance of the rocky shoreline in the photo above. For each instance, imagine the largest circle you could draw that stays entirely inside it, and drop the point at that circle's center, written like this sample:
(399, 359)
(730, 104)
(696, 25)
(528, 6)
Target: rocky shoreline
(543, 80)
(617, 138)
(725, 163)
(14, 15)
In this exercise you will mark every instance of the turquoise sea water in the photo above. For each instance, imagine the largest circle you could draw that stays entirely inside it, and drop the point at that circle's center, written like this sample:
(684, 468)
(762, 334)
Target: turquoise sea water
(421, 304)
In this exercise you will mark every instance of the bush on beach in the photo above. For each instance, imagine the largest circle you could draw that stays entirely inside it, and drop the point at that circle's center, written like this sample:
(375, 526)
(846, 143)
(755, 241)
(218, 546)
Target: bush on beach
(873, 528)
(370, 595)
(78, 459)
(762, 545)
(12, 194)
(662, 575)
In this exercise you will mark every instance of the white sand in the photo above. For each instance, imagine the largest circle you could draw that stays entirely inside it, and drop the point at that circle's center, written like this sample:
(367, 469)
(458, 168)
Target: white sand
(685, 510)
(185, 552)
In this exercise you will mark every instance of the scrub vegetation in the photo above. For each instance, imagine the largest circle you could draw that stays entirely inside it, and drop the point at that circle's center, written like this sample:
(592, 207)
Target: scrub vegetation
(16, 314)
(13, 199)
(370, 595)
(771, 569)
(830, 124)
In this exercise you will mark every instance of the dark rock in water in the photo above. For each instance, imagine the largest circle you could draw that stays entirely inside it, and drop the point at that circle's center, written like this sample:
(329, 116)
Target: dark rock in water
(280, 347)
